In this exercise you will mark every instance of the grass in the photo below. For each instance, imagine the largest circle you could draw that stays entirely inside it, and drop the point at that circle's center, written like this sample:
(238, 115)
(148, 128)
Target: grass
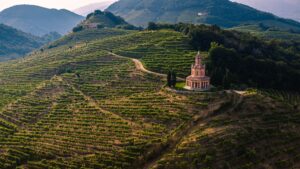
(180, 85)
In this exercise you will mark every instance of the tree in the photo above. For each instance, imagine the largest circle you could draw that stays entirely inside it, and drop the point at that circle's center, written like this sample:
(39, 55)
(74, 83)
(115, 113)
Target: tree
(152, 26)
(89, 15)
(173, 79)
(98, 12)
(100, 26)
(78, 28)
(169, 76)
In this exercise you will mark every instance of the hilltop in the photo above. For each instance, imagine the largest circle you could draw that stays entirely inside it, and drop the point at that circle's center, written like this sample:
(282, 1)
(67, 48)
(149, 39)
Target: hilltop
(38, 20)
(99, 20)
(77, 105)
(223, 13)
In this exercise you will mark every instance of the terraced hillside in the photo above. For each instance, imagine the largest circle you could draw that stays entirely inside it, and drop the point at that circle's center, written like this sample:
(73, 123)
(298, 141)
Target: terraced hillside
(83, 107)
(252, 135)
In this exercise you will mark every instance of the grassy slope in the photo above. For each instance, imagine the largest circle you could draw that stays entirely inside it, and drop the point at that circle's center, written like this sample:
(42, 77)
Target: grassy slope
(80, 107)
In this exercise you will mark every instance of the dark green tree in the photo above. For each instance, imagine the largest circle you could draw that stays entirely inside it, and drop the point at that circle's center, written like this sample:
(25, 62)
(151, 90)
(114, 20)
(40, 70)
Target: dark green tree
(152, 26)
(173, 79)
(78, 28)
(169, 76)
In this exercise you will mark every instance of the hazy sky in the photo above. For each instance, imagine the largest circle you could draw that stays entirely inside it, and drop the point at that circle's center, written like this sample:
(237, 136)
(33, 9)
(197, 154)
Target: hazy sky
(283, 8)
(67, 4)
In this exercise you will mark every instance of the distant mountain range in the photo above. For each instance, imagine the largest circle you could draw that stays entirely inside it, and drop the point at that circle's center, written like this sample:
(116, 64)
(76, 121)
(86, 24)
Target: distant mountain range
(38, 20)
(221, 12)
(85, 10)
(15, 43)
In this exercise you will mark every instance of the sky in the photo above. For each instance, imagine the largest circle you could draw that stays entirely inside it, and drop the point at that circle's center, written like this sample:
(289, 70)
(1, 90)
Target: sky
(283, 8)
(59, 4)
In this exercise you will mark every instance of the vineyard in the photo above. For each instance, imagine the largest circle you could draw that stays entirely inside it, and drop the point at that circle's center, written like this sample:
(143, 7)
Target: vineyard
(83, 107)
(253, 135)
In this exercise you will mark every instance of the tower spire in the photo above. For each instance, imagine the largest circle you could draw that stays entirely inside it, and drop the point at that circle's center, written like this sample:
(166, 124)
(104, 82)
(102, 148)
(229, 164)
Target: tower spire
(198, 59)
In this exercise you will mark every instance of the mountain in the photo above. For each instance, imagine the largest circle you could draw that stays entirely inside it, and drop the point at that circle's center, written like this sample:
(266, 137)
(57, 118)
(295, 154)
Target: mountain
(14, 43)
(38, 20)
(85, 10)
(83, 106)
(99, 20)
(221, 12)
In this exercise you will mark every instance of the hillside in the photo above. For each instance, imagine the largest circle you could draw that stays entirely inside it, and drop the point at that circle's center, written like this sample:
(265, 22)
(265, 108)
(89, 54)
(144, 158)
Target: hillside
(223, 13)
(14, 43)
(83, 107)
(38, 20)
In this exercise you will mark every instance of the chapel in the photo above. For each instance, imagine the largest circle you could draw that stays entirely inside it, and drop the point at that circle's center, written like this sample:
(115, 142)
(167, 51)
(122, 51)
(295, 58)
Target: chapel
(198, 79)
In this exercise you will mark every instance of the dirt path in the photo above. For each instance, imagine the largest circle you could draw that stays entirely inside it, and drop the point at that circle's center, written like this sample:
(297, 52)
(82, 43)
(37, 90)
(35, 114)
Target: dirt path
(139, 65)
(177, 137)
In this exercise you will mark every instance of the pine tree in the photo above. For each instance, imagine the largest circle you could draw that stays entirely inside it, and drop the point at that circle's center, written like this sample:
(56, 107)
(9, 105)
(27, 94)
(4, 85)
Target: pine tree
(173, 79)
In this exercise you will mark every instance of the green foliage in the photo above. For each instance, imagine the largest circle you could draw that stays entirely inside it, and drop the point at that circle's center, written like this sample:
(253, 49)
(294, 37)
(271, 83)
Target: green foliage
(78, 28)
(171, 79)
(222, 66)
